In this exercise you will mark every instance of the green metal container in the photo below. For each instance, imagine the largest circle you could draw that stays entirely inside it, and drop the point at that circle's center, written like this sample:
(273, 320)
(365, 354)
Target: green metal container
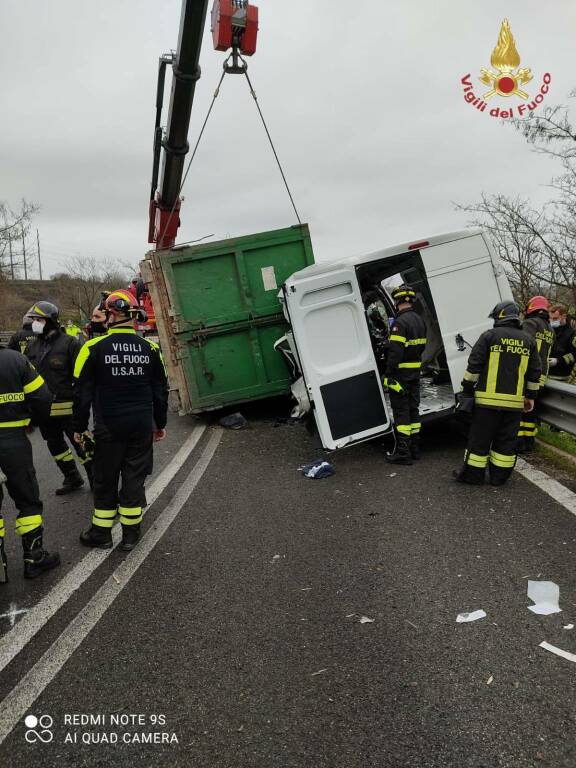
(219, 316)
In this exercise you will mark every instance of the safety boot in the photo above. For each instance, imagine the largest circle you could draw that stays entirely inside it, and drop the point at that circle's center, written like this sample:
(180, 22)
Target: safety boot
(415, 447)
(97, 537)
(3, 563)
(464, 476)
(36, 558)
(72, 481)
(401, 453)
(130, 537)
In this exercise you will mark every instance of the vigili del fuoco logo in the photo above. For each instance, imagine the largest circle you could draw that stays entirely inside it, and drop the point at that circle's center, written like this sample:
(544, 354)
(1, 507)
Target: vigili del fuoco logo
(506, 79)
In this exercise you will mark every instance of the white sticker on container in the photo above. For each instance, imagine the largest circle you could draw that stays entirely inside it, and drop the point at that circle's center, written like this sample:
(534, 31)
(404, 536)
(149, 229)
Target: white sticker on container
(269, 279)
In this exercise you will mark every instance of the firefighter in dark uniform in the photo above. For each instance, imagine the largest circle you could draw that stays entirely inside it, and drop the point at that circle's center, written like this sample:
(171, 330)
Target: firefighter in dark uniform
(502, 377)
(563, 354)
(21, 338)
(122, 377)
(53, 354)
(537, 326)
(402, 377)
(23, 396)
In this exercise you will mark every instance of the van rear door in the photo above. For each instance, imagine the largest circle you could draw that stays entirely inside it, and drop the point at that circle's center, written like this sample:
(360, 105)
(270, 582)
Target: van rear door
(466, 282)
(338, 364)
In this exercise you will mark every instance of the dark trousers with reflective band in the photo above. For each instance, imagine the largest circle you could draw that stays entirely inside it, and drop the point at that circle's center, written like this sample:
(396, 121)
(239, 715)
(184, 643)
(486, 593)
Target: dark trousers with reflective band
(405, 408)
(129, 462)
(491, 443)
(55, 431)
(17, 464)
(529, 425)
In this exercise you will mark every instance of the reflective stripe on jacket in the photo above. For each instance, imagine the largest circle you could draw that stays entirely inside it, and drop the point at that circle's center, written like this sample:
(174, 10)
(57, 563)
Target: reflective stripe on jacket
(407, 342)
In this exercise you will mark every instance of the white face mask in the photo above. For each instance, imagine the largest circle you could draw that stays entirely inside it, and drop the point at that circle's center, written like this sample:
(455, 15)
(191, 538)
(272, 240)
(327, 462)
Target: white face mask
(555, 323)
(38, 326)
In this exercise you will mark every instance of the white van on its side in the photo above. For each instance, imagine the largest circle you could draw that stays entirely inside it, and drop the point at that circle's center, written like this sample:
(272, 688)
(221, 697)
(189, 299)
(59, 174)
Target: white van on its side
(458, 280)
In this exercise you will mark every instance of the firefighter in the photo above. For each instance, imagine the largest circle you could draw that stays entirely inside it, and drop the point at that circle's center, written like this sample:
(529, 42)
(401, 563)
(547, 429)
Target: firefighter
(563, 355)
(122, 377)
(53, 353)
(402, 377)
(537, 325)
(72, 329)
(23, 396)
(20, 339)
(502, 377)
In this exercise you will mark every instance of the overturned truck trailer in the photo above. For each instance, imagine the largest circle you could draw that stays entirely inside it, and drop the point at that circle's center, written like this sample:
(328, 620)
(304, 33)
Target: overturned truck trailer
(458, 280)
(219, 316)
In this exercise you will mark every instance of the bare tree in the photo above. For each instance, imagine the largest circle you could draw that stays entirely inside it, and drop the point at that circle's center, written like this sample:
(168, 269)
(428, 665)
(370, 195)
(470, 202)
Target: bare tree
(538, 247)
(87, 277)
(14, 228)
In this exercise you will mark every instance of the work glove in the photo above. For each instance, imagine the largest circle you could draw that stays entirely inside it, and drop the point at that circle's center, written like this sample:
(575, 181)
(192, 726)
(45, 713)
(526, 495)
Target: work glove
(553, 361)
(393, 385)
(464, 403)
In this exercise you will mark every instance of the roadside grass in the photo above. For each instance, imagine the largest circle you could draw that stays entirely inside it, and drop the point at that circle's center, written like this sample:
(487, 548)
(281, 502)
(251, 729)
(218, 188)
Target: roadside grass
(551, 458)
(561, 440)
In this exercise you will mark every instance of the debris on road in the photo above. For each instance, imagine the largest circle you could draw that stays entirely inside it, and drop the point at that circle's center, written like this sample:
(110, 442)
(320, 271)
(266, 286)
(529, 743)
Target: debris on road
(558, 651)
(318, 470)
(472, 616)
(275, 559)
(568, 626)
(546, 597)
(490, 680)
(319, 672)
(366, 620)
(233, 421)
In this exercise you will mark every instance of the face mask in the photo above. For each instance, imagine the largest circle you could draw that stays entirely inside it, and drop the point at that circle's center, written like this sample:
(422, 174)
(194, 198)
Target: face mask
(38, 327)
(555, 323)
(97, 327)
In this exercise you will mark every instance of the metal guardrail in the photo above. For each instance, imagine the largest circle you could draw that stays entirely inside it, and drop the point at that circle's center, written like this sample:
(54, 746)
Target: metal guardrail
(557, 405)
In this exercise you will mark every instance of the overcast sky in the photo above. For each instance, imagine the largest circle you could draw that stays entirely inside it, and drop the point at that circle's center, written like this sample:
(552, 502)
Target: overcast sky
(363, 100)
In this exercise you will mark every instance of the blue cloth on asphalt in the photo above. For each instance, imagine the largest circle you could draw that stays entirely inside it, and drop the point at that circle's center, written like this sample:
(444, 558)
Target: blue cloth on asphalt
(318, 469)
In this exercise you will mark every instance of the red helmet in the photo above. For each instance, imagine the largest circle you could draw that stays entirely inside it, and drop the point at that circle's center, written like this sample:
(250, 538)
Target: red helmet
(537, 303)
(121, 302)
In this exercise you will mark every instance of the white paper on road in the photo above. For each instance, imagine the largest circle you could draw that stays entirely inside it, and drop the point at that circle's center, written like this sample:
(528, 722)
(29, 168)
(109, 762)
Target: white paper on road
(546, 597)
(558, 651)
(568, 626)
(366, 620)
(473, 616)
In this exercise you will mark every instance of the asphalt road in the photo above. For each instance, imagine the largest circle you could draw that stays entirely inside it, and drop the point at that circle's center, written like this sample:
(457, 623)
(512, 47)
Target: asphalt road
(240, 633)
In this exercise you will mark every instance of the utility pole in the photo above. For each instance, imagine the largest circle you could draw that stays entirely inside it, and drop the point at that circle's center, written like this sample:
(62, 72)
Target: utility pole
(39, 257)
(24, 255)
(11, 259)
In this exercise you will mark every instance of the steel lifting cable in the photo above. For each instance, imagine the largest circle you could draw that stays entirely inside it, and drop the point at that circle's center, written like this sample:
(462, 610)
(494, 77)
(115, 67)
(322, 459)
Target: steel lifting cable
(214, 97)
(253, 92)
(216, 92)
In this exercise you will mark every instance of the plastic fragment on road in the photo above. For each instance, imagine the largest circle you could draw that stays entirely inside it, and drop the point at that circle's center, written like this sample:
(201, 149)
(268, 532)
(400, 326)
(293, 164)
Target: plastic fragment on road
(568, 626)
(472, 616)
(366, 620)
(558, 651)
(490, 680)
(318, 470)
(319, 672)
(233, 421)
(275, 559)
(545, 596)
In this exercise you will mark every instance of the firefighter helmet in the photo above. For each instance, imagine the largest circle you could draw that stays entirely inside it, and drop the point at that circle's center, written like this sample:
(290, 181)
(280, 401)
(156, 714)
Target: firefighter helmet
(537, 304)
(505, 310)
(403, 293)
(44, 310)
(121, 302)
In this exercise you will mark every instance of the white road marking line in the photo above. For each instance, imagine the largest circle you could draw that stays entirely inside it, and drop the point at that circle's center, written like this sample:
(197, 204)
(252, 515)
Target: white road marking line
(553, 488)
(32, 685)
(17, 638)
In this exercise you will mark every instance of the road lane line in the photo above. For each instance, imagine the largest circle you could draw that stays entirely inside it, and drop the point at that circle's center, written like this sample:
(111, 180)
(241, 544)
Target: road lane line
(32, 685)
(553, 488)
(27, 627)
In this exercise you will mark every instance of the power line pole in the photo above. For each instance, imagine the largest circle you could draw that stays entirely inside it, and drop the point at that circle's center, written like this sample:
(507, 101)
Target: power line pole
(39, 257)
(11, 258)
(24, 255)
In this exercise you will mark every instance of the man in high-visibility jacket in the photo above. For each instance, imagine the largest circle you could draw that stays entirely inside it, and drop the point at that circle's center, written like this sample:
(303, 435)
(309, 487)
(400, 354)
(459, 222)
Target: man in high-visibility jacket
(23, 396)
(402, 378)
(53, 353)
(537, 325)
(122, 377)
(502, 377)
